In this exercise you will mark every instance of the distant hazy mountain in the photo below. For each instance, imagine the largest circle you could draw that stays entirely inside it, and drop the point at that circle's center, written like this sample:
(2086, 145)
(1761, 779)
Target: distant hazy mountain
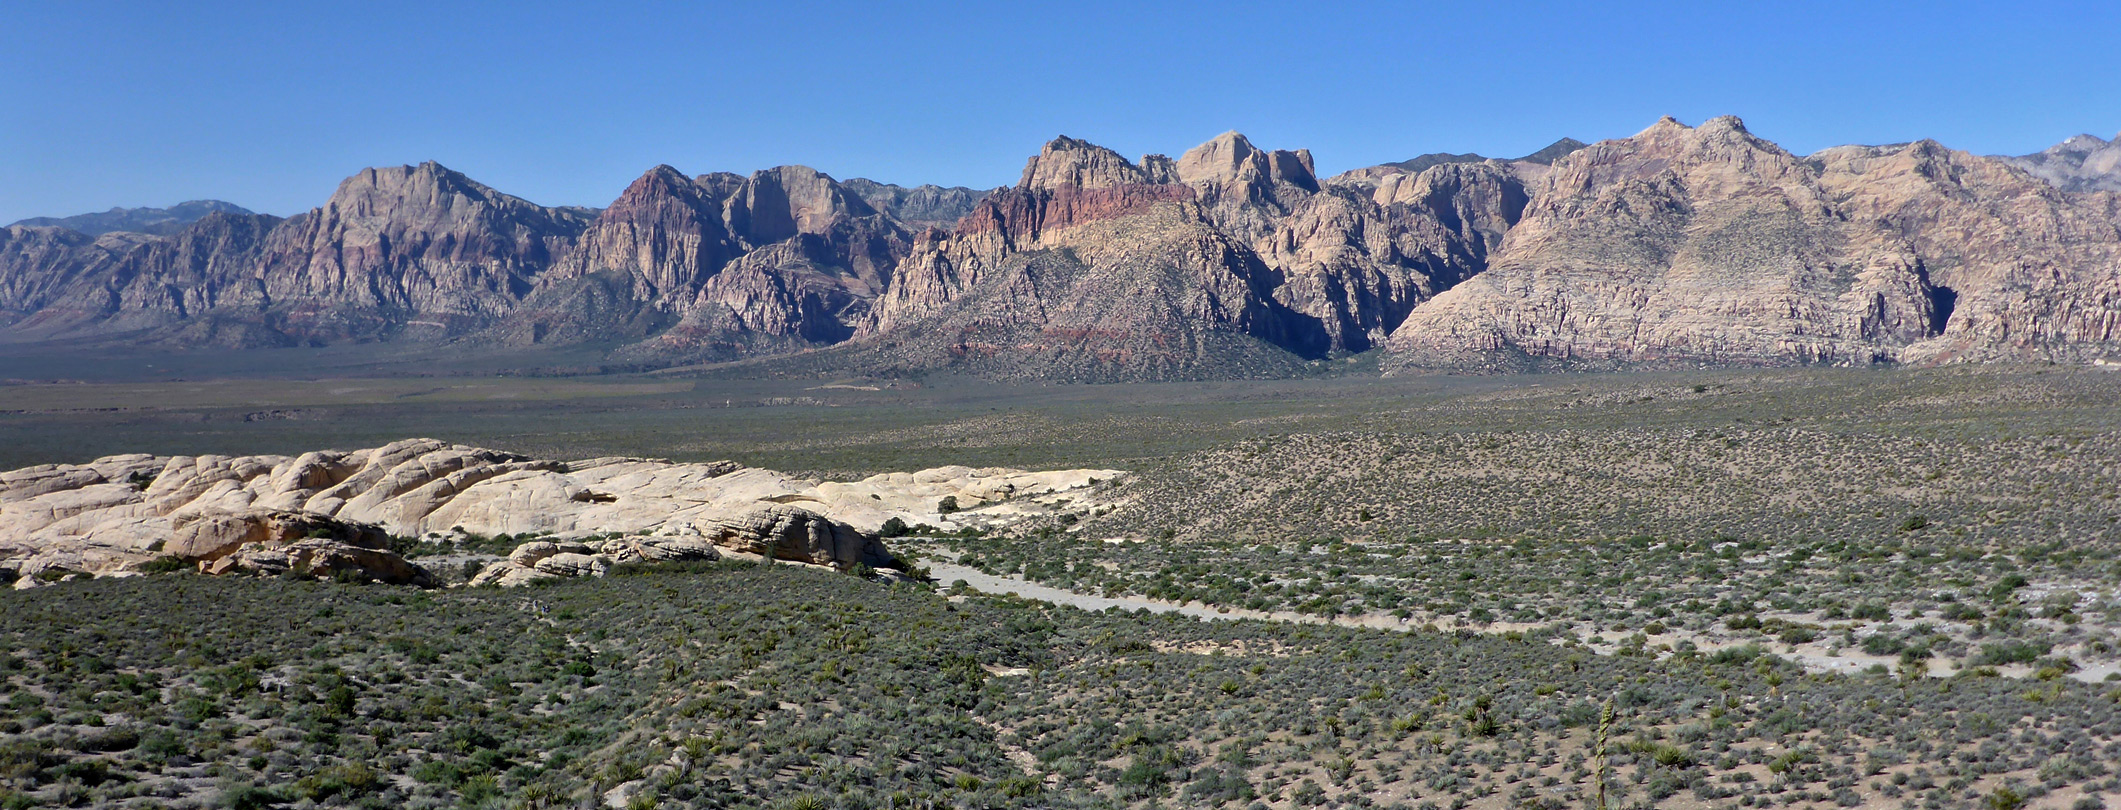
(1545, 156)
(1678, 246)
(157, 221)
(920, 206)
(2082, 163)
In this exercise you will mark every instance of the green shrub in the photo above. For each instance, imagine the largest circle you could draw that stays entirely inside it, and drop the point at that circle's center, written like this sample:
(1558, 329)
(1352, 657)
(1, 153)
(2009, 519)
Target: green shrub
(166, 565)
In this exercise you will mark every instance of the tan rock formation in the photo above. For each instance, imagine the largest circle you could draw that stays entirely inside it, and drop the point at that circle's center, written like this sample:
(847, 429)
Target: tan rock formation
(1689, 245)
(329, 512)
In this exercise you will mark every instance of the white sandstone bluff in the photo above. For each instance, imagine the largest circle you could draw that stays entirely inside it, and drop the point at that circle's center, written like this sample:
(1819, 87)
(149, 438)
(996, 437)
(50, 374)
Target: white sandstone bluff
(334, 512)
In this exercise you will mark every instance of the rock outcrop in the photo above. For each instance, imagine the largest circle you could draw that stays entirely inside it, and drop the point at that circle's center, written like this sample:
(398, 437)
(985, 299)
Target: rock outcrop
(335, 513)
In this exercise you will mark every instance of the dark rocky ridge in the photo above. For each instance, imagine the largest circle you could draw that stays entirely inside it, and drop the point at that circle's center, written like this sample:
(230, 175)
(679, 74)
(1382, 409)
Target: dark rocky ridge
(923, 206)
(1545, 156)
(157, 221)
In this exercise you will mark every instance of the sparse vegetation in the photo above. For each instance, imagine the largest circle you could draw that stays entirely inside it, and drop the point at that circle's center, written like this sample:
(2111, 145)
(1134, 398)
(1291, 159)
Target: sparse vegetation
(747, 685)
(1718, 590)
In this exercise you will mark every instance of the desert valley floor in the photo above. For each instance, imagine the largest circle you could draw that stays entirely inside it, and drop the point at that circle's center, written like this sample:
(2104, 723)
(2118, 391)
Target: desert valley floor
(1714, 588)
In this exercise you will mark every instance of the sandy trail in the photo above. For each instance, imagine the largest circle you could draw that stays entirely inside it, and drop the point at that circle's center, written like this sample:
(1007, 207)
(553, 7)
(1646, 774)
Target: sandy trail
(1847, 662)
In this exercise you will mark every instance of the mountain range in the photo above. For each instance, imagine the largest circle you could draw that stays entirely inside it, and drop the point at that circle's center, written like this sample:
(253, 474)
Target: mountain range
(1676, 246)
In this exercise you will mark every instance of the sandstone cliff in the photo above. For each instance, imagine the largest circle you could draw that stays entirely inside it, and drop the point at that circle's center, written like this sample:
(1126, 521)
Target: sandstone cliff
(1686, 245)
(1230, 261)
(718, 267)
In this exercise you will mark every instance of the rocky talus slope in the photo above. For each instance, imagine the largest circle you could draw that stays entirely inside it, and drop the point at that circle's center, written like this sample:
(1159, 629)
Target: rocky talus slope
(1676, 246)
(330, 512)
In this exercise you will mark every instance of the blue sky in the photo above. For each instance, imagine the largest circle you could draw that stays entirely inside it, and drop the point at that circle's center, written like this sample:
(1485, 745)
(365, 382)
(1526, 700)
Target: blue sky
(269, 104)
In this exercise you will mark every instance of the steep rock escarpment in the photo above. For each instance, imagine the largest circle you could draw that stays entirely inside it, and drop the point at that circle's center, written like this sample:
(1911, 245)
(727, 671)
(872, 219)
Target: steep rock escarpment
(1230, 261)
(410, 251)
(719, 267)
(41, 265)
(2020, 270)
(423, 243)
(1708, 245)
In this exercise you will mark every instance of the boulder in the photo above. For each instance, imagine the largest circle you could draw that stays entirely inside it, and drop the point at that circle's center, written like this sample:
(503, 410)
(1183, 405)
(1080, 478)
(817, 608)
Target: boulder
(569, 564)
(320, 557)
(674, 549)
(786, 532)
(508, 575)
(528, 554)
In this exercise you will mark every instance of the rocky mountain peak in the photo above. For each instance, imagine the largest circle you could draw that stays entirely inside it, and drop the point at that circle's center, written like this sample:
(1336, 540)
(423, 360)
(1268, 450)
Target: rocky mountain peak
(1718, 156)
(1232, 159)
(1068, 161)
(660, 184)
(783, 201)
(380, 191)
(1554, 151)
(1666, 126)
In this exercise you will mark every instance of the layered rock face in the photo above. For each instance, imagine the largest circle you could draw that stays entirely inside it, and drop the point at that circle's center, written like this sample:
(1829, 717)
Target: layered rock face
(328, 512)
(40, 265)
(719, 267)
(423, 243)
(1708, 245)
(412, 251)
(1230, 261)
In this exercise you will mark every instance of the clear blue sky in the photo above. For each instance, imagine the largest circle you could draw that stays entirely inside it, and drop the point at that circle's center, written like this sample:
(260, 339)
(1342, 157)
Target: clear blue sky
(269, 104)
